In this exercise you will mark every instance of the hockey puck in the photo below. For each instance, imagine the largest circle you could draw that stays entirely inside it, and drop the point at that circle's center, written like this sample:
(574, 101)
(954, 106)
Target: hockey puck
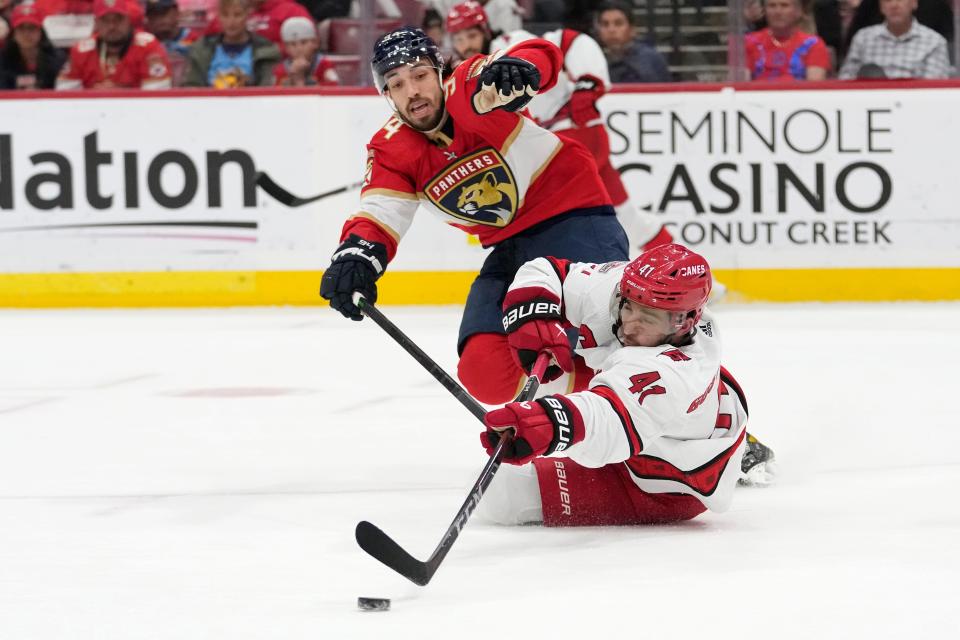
(373, 604)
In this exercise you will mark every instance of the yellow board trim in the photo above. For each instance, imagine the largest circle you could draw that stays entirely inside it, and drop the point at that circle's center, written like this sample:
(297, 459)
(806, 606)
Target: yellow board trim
(238, 288)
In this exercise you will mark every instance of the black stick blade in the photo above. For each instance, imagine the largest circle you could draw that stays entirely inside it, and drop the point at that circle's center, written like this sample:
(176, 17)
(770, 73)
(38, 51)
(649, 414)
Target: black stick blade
(382, 547)
(277, 192)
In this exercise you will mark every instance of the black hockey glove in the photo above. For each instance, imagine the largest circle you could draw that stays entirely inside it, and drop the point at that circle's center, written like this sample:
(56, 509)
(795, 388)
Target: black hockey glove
(355, 266)
(506, 83)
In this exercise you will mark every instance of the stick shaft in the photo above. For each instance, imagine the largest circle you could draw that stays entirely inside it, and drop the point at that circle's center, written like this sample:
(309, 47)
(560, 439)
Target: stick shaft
(382, 547)
(281, 195)
(420, 356)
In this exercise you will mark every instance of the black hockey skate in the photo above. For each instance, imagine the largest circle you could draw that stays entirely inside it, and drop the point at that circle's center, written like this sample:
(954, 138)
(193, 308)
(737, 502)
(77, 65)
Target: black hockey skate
(758, 467)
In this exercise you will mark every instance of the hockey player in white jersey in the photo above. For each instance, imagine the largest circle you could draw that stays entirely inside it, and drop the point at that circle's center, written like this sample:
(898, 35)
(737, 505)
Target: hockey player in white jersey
(569, 109)
(660, 433)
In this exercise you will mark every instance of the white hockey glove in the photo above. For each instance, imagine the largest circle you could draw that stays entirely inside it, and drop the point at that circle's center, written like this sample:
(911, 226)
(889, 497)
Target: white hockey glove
(506, 83)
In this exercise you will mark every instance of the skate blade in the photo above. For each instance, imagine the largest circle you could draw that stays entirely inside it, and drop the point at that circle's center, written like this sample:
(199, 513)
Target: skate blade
(763, 474)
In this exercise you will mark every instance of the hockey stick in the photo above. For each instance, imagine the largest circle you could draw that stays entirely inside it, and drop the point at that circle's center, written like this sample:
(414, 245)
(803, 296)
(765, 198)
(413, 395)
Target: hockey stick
(382, 547)
(418, 354)
(284, 197)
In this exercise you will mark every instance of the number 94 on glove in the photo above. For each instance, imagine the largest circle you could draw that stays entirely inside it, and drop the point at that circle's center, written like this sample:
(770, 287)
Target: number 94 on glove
(506, 83)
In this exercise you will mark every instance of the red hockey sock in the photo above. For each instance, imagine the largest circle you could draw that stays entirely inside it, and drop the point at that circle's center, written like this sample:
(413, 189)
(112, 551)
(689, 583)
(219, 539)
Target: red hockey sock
(487, 369)
(663, 237)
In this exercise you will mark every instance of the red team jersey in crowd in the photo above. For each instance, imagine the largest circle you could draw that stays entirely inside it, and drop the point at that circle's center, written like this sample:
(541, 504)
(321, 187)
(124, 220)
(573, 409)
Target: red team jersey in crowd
(492, 175)
(772, 59)
(267, 18)
(655, 420)
(324, 74)
(144, 65)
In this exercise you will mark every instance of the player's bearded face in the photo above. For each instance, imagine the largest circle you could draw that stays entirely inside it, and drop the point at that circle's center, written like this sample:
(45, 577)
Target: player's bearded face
(644, 326)
(469, 42)
(416, 95)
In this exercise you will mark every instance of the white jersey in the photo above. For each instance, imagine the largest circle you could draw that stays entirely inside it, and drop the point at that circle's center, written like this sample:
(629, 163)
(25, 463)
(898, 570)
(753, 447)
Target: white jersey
(582, 56)
(671, 415)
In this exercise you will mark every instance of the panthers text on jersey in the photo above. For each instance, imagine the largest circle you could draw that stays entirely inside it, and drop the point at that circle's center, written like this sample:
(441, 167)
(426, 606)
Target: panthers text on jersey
(670, 418)
(492, 175)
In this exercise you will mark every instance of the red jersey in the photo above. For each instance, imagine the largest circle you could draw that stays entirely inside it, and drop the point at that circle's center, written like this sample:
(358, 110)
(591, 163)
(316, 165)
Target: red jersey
(772, 59)
(142, 65)
(267, 18)
(323, 74)
(492, 175)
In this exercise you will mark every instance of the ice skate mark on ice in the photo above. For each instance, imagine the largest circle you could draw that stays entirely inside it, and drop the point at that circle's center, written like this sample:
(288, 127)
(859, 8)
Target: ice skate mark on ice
(250, 493)
(28, 404)
(104, 384)
(125, 380)
(239, 392)
(378, 400)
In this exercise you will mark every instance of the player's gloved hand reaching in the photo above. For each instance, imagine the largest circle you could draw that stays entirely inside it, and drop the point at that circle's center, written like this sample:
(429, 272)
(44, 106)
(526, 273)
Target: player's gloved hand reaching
(506, 83)
(583, 100)
(533, 326)
(355, 266)
(541, 427)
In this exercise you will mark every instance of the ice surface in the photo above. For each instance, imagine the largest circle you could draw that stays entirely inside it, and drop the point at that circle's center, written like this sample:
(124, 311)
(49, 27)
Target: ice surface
(198, 474)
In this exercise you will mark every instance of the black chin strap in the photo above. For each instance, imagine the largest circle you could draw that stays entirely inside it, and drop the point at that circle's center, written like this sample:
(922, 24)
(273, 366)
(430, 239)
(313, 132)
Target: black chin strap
(619, 323)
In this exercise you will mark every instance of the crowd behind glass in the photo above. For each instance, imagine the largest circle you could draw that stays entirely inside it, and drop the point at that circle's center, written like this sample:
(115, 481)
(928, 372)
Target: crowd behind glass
(231, 44)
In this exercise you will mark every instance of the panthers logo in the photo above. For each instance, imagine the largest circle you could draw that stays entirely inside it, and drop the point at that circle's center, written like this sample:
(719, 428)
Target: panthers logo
(479, 189)
(487, 200)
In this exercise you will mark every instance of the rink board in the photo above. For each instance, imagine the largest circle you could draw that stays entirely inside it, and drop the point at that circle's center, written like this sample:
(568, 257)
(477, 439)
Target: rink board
(830, 193)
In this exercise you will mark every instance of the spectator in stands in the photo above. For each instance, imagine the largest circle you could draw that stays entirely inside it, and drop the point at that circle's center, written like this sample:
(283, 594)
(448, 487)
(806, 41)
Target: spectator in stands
(628, 57)
(163, 21)
(782, 51)
(900, 46)
(117, 55)
(5, 6)
(753, 16)
(269, 15)
(236, 57)
(936, 14)
(432, 25)
(266, 17)
(323, 9)
(28, 60)
(304, 65)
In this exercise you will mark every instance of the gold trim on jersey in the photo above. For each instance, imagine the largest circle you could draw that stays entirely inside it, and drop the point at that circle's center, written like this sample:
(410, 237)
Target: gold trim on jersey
(541, 169)
(512, 137)
(380, 223)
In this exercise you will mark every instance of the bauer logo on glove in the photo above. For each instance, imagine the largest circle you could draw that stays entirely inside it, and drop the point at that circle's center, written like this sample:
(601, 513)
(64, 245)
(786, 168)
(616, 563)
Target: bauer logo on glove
(506, 83)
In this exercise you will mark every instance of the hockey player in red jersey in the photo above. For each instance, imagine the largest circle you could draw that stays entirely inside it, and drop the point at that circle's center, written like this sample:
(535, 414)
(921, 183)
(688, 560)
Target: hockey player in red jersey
(569, 109)
(465, 154)
(660, 434)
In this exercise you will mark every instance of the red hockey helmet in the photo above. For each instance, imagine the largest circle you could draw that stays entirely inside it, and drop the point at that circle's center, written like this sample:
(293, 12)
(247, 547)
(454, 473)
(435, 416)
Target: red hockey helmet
(466, 15)
(669, 277)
